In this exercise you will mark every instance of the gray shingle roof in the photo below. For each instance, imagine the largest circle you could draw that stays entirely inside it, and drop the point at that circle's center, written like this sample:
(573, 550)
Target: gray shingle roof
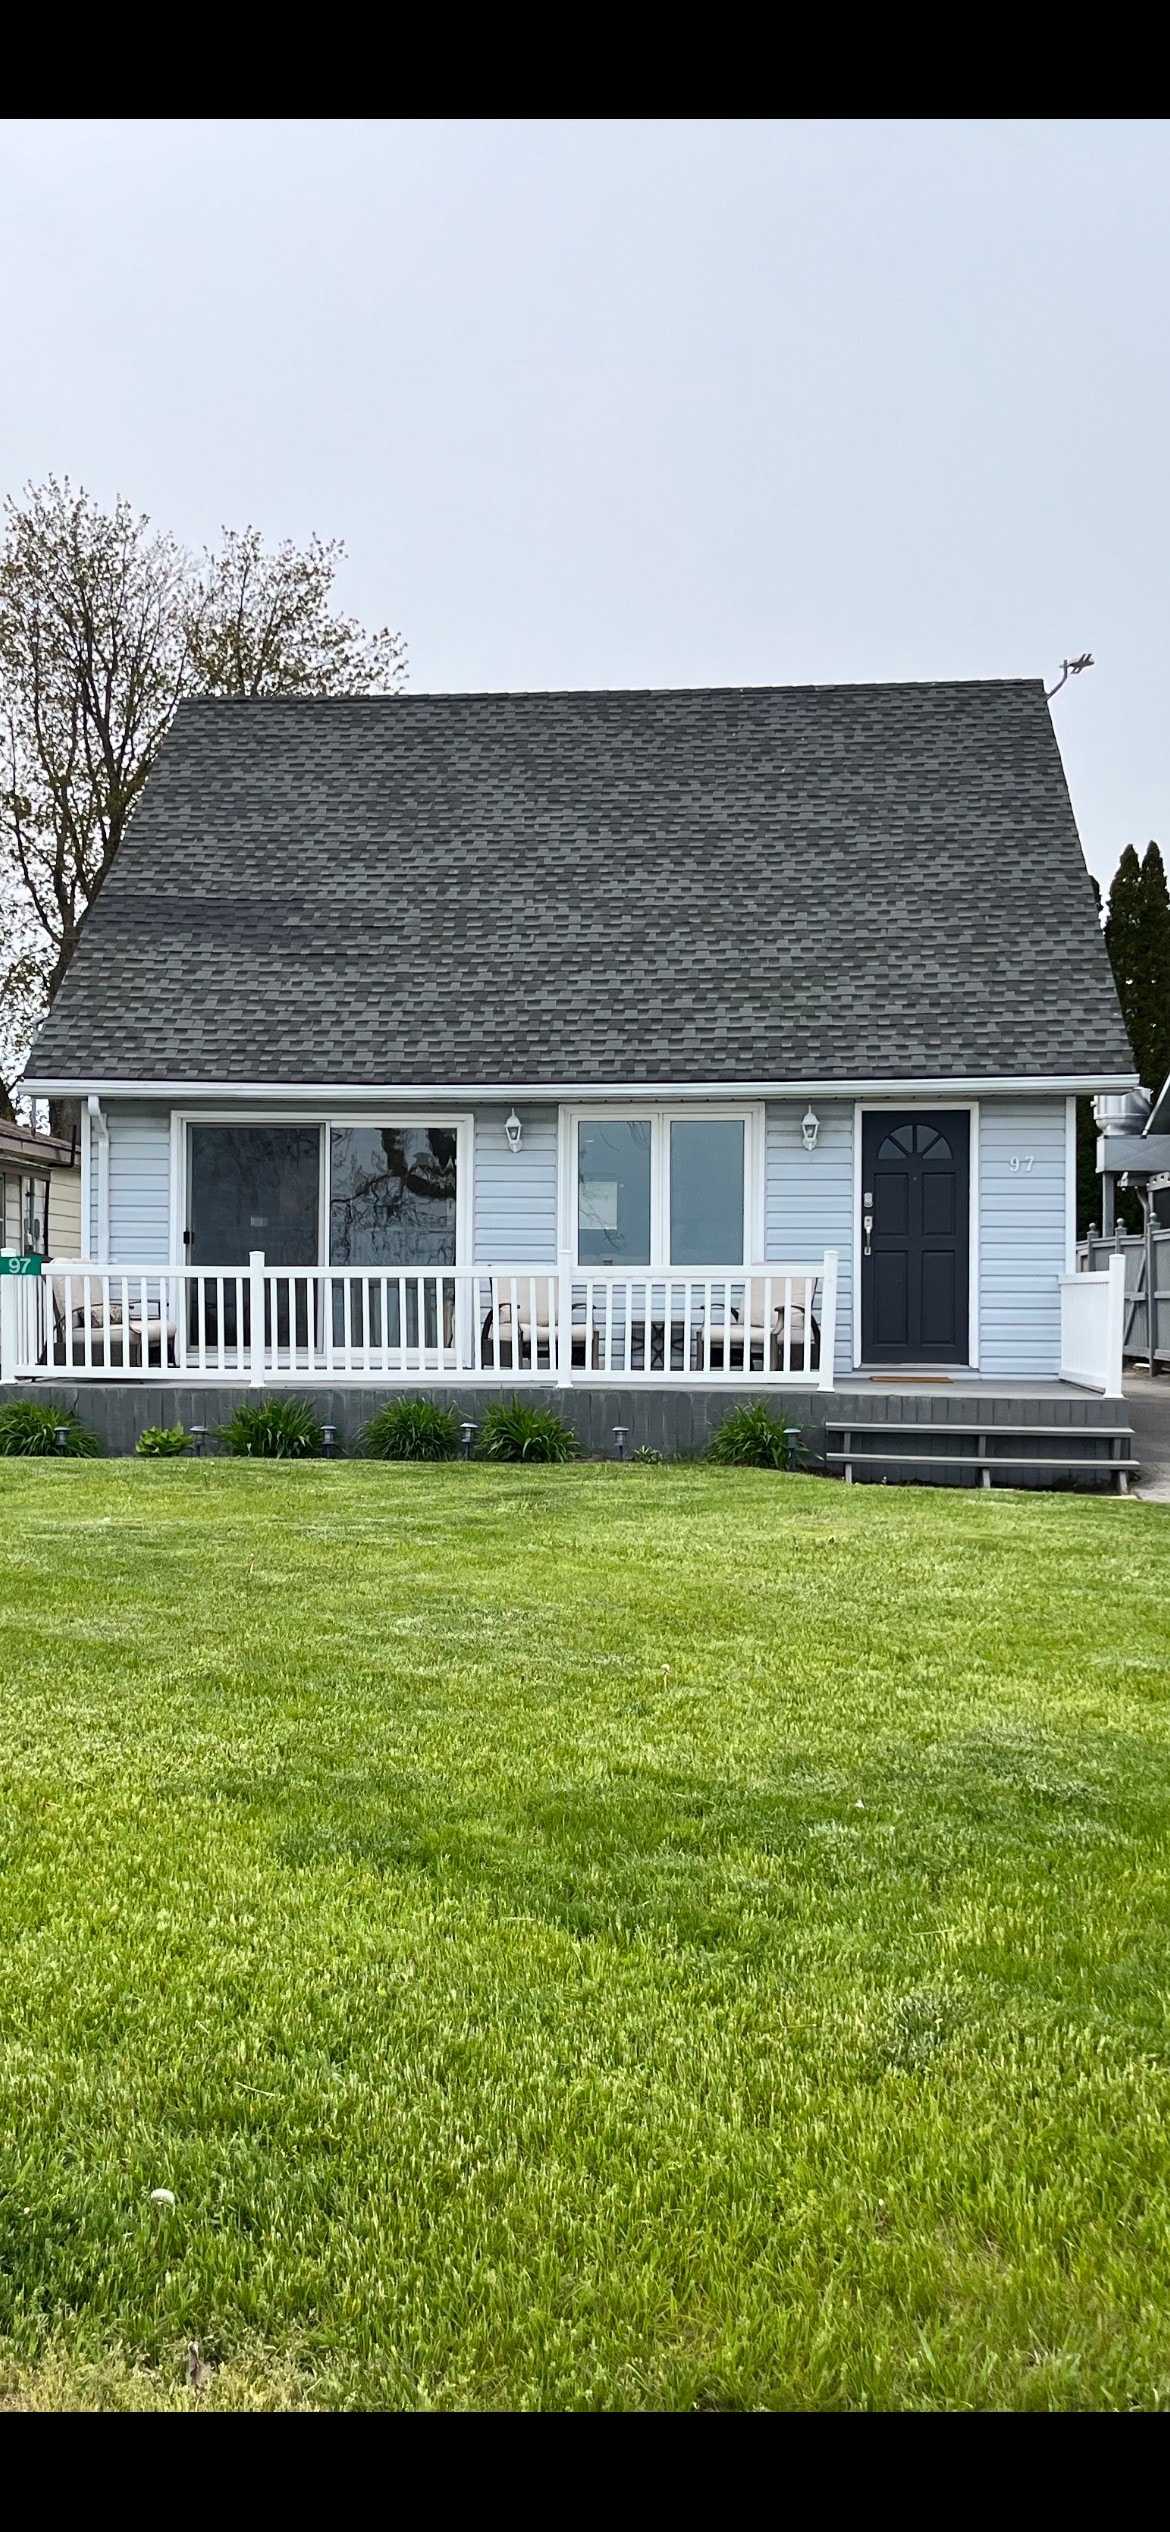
(743, 885)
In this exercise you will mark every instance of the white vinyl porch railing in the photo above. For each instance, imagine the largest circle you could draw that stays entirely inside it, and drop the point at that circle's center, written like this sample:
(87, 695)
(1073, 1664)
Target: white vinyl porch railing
(773, 1323)
(1092, 1326)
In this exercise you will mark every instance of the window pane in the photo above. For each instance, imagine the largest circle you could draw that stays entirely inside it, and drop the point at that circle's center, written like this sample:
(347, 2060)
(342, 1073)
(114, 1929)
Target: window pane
(706, 1191)
(392, 1195)
(254, 1186)
(613, 1193)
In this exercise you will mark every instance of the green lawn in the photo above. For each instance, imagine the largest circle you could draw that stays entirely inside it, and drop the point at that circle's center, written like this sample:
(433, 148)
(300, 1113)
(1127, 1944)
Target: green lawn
(584, 1937)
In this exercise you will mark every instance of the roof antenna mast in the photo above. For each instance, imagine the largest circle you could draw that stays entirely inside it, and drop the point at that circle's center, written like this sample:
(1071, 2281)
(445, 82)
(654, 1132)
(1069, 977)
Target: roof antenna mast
(1069, 668)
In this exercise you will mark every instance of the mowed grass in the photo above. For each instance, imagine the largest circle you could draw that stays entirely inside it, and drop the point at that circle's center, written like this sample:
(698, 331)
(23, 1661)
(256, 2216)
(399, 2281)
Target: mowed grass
(597, 1937)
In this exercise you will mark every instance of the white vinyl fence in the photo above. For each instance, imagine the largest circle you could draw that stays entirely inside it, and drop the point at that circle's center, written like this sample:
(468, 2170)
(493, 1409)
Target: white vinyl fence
(1092, 1323)
(773, 1324)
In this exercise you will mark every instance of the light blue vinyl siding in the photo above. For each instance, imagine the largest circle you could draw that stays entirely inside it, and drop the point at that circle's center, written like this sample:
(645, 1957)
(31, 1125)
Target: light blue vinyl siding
(1022, 1235)
(808, 1197)
(516, 1192)
(140, 1185)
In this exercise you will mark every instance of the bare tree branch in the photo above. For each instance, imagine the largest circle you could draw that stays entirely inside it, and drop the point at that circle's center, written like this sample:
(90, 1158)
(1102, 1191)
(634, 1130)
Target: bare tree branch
(104, 624)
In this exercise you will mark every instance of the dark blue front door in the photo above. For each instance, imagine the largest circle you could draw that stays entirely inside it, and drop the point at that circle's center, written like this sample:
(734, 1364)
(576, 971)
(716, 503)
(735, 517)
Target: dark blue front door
(915, 1182)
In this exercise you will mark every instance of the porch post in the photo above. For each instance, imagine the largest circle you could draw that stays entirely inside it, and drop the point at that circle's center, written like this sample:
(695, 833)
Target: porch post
(829, 1320)
(256, 1289)
(1115, 1328)
(8, 1320)
(565, 1322)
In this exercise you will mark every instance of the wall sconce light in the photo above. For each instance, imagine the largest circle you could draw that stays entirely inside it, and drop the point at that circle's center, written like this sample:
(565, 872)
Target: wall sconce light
(514, 1131)
(810, 1128)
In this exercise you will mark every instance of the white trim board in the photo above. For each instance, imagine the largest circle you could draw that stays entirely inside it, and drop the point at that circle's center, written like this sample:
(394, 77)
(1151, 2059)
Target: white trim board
(936, 1086)
(1070, 1186)
(863, 1107)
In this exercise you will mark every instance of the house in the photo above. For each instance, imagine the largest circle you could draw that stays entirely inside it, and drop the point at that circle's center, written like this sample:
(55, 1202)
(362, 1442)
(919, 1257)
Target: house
(643, 1048)
(40, 1192)
(1133, 1150)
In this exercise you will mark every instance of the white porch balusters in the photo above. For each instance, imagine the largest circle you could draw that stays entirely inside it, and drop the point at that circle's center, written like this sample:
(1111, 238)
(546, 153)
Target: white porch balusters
(256, 1286)
(564, 1319)
(829, 1318)
(512, 1325)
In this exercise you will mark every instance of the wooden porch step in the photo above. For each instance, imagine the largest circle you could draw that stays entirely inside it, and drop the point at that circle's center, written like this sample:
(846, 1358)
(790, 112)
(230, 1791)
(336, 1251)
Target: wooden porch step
(969, 1459)
(939, 1424)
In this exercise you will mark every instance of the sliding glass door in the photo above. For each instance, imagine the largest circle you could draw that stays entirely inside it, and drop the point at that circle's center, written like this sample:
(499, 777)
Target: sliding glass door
(255, 1186)
(393, 1195)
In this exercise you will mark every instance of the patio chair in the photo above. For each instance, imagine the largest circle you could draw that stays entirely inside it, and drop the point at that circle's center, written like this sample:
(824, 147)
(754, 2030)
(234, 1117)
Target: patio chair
(519, 1327)
(750, 1333)
(109, 1328)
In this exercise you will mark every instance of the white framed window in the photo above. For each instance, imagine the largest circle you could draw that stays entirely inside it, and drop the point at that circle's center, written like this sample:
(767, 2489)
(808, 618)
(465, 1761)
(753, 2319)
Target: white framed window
(652, 1186)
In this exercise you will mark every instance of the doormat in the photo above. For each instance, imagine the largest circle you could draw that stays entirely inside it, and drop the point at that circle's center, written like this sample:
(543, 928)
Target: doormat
(912, 1380)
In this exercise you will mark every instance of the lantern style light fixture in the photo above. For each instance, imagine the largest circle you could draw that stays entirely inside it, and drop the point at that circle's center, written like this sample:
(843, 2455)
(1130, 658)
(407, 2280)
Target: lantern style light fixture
(514, 1132)
(810, 1127)
(467, 1432)
(621, 1435)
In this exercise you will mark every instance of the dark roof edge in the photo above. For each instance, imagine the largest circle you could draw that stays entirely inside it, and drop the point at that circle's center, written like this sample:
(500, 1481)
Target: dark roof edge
(620, 694)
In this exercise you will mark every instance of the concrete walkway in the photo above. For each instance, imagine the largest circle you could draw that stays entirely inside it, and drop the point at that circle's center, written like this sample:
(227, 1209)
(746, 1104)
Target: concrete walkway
(1148, 1407)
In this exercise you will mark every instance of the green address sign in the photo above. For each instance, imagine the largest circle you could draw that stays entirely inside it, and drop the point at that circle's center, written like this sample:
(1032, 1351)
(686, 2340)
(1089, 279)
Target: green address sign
(20, 1265)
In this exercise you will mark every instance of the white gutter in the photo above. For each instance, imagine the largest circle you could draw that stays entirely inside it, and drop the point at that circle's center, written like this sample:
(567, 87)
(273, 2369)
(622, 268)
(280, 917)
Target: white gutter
(99, 1127)
(805, 1086)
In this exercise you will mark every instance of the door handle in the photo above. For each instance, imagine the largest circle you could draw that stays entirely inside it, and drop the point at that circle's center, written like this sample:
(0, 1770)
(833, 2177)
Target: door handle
(868, 1235)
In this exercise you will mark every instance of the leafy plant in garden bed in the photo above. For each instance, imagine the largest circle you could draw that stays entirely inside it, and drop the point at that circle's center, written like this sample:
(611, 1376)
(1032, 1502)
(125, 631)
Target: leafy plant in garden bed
(646, 1456)
(274, 1428)
(511, 1430)
(162, 1441)
(753, 1438)
(29, 1430)
(412, 1428)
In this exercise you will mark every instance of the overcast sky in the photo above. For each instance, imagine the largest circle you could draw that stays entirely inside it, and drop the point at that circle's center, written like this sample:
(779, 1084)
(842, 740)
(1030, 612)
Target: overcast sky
(639, 404)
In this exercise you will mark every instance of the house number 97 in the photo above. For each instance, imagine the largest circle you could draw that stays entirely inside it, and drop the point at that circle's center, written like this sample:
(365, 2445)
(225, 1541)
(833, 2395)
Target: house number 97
(1021, 1160)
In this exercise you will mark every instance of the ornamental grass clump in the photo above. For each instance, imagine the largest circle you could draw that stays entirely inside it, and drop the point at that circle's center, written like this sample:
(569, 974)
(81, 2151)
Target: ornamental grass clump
(274, 1428)
(29, 1430)
(412, 1428)
(752, 1438)
(162, 1441)
(510, 1430)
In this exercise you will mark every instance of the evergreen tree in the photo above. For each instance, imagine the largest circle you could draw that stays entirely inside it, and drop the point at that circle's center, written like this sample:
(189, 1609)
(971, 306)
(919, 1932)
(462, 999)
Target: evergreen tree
(1150, 1027)
(1137, 936)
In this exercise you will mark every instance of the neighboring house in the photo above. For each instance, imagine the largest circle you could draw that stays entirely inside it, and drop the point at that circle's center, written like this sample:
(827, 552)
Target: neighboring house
(618, 1043)
(40, 1193)
(1133, 1150)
